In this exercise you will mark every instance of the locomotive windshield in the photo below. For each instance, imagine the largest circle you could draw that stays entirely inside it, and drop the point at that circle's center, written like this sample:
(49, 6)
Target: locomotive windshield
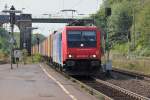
(81, 38)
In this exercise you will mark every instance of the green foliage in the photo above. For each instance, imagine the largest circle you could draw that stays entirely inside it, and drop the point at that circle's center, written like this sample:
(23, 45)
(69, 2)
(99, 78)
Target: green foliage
(5, 45)
(119, 22)
(145, 52)
(4, 33)
(34, 38)
(121, 48)
(17, 38)
(3, 55)
(37, 58)
(25, 55)
(142, 29)
(130, 20)
(112, 1)
(141, 65)
(25, 52)
(4, 41)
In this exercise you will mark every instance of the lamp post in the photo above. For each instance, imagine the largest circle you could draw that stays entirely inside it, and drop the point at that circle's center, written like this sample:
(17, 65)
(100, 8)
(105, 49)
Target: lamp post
(12, 20)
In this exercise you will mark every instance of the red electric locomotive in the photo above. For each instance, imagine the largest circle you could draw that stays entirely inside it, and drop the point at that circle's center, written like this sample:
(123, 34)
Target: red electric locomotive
(77, 50)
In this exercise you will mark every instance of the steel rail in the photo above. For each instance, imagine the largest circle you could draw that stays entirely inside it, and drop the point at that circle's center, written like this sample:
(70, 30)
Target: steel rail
(122, 90)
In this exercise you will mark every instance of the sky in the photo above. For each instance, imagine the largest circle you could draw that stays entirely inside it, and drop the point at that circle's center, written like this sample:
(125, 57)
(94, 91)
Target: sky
(46, 8)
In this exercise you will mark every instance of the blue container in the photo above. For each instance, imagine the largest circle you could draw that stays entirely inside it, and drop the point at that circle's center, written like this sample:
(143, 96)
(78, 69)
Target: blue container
(57, 45)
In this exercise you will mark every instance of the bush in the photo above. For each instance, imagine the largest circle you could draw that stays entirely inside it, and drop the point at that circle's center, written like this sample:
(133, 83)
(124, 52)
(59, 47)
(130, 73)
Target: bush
(37, 58)
(145, 52)
(121, 48)
(25, 55)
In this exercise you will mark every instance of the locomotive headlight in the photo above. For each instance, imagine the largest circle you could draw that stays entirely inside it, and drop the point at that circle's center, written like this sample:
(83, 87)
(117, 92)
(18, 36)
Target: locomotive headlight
(94, 56)
(70, 56)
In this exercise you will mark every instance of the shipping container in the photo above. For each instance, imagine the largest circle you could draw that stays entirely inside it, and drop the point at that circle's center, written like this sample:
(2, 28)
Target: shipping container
(57, 45)
(46, 47)
(48, 44)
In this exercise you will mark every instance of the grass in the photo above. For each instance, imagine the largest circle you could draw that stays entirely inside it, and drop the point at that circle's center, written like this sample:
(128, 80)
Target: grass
(138, 65)
(32, 59)
(3, 57)
(25, 59)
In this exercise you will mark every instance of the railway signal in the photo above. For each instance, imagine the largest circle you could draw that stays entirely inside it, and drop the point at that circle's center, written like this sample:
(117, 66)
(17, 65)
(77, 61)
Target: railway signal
(107, 12)
(108, 62)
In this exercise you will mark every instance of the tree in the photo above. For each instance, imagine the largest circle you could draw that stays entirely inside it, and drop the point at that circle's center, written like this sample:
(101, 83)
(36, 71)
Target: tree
(130, 21)
(142, 29)
(120, 22)
(4, 41)
(34, 38)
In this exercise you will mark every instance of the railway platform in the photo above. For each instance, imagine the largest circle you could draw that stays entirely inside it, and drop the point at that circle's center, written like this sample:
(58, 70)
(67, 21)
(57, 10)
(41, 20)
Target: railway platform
(34, 82)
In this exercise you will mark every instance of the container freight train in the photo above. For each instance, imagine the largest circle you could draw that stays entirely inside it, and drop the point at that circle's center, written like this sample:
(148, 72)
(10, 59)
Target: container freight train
(76, 50)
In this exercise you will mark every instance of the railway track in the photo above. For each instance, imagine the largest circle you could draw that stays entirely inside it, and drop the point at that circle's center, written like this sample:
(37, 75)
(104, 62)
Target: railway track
(119, 93)
(105, 90)
(112, 91)
(132, 74)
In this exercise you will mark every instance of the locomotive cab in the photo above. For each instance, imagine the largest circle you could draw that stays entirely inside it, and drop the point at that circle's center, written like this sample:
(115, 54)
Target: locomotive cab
(81, 50)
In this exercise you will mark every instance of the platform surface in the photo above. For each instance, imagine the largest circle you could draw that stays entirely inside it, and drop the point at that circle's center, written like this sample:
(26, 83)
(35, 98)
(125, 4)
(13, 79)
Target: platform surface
(33, 82)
